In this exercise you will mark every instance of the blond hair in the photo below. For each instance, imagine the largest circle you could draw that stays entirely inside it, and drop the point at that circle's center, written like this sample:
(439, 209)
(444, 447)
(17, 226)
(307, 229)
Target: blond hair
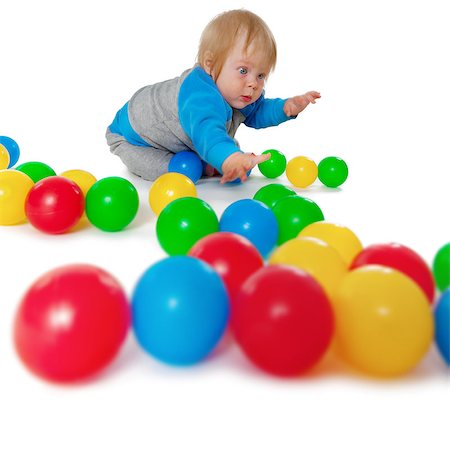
(222, 33)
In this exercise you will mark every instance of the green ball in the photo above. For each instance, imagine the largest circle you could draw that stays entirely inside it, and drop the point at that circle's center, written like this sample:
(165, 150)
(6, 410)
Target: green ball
(112, 203)
(271, 193)
(441, 267)
(183, 222)
(36, 170)
(293, 214)
(275, 166)
(333, 171)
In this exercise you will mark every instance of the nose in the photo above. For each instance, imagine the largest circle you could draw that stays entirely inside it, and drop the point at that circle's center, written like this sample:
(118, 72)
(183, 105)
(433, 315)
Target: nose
(252, 82)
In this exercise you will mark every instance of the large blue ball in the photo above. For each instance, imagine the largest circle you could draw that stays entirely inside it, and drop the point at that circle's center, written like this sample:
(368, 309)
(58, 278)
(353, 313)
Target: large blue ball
(442, 325)
(13, 149)
(253, 220)
(187, 163)
(180, 310)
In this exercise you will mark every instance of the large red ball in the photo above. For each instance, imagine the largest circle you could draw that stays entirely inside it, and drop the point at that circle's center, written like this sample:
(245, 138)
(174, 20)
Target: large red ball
(283, 320)
(71, 323)
(233, 257)
(54, 205)
(401, 258)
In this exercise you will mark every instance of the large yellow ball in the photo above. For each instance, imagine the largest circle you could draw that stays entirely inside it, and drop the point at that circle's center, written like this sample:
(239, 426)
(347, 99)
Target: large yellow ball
(301, 171)
(169, 187)
(82, 178)
(14, 188)
(384, 323)
(339, 237)
(4, 157)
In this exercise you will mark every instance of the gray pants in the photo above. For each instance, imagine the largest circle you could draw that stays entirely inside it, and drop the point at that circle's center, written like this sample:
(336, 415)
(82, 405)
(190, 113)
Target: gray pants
(146, 162)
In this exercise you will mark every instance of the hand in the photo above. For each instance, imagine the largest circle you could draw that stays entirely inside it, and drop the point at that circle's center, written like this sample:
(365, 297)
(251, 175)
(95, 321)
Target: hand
(295, 105)
(238, 164)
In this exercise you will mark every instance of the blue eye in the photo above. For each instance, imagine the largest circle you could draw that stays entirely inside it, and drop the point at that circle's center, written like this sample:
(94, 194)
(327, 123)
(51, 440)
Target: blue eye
(261, 76)
(242, 70)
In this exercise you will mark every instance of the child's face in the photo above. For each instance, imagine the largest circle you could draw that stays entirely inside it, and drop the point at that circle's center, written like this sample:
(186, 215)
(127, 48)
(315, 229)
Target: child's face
(243, 75)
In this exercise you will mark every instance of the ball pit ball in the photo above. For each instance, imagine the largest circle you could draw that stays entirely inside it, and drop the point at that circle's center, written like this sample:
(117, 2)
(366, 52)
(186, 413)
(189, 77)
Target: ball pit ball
(253, 220)
(85, 180)
(4, 157)
(301, 171)
(384, 323)
(13, 150)
(441, 267)
(187, 163)
(71, 323)
(232, 256)
(36, 170)
(273, 192)
(282, 320)
(401, 258)
(180, 310)
(442, 322)
(169, 187)
(274, 166)
(14, 188)
(293, 214)
(54, 205)
(112, 203)
(183, 222)
(333, 171)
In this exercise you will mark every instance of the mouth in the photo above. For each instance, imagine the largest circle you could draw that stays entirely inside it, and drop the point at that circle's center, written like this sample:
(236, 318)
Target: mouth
(246, 98)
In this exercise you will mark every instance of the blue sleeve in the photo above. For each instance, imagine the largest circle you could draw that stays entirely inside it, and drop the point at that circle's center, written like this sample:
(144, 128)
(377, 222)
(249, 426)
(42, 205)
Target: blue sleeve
(203, 114)
(265, 112)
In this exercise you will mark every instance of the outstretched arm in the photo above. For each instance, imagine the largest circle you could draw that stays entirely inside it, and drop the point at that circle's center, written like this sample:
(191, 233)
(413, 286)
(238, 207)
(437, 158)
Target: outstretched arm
(238, 164)
(295, 105)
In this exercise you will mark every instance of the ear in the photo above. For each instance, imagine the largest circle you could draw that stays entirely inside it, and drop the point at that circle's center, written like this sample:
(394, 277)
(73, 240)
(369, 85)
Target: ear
(207, 62)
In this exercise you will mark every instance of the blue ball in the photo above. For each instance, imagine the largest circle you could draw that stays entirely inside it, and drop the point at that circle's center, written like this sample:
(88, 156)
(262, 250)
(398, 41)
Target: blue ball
(253, 220)
(13, 149)
(238, 180)
(180, 310)
(442, 325)
(187, 163)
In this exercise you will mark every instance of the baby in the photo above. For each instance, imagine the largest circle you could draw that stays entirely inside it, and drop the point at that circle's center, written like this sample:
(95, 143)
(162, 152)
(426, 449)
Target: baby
(202, 108)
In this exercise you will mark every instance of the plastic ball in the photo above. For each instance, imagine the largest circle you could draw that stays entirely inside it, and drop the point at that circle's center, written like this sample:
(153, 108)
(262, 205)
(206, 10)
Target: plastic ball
(84, 179)
(187, 163)
(294, 214)
(183, 222)
(333, 171)
(13, 149)
(14, 188)
(442, 324)
(71, 323)
(315, 257)
(169, 187)
(36, 170)
(271, 193)
(275, 165)
(4, 157)
(441, 267)
(179, 322)
(401, 258)
(112, 203)
(54, 205)
(384, 323)
(232, 256)
(339, 237)
(301, 171)
(282, 321)
(253, 220)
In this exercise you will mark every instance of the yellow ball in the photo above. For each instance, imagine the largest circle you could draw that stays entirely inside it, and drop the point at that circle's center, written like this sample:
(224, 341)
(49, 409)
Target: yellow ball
(4, 157)
(384, 323)
(301, 171)
(169, 187)
(339, 237)
(82, 178)
(314, 256)
(14, 188)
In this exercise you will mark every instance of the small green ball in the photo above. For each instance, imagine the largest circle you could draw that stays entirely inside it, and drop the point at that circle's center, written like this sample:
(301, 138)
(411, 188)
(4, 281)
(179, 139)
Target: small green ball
(333, 171)
(271, 193)
(441, 267)
(275, 166)
(36, 170)
(112, 203)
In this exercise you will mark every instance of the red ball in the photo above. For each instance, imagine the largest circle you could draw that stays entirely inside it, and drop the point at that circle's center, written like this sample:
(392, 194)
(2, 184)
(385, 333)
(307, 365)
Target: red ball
(71, 323)
(283, 320)
(54, 205)
(401, 258)
(233, 257)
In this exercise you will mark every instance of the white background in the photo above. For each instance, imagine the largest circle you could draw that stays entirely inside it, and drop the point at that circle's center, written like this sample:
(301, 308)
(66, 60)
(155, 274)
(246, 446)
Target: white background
(382, 68)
